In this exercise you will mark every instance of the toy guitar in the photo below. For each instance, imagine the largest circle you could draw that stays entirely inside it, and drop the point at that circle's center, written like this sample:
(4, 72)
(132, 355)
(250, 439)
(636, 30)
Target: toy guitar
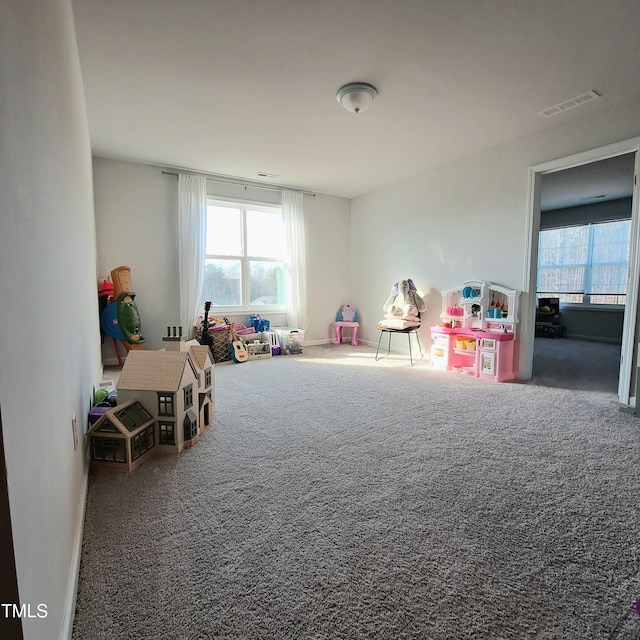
(238, 350)
(206, 338)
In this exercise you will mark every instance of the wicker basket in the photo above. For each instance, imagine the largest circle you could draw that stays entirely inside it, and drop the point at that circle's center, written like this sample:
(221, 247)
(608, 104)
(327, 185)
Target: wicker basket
(220, 347)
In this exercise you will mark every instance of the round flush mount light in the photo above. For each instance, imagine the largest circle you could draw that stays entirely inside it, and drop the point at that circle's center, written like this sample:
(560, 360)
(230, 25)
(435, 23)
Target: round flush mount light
(356, 96)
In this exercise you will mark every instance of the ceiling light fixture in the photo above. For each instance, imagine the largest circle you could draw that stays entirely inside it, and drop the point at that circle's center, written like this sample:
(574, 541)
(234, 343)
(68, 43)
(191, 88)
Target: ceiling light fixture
(356, 96)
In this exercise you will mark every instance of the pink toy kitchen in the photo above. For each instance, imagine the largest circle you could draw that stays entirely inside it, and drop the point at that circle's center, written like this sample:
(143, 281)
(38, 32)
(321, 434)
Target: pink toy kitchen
(477, 330)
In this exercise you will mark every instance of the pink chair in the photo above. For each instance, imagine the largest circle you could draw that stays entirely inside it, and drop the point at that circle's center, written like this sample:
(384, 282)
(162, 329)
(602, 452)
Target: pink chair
(347, 317)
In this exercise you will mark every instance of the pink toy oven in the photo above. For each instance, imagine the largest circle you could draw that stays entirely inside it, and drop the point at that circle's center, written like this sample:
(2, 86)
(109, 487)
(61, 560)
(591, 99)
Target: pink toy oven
(483, 354)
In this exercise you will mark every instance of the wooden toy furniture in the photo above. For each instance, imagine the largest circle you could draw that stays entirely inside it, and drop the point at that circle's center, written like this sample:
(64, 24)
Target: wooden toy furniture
(477, 331)
(347, 317)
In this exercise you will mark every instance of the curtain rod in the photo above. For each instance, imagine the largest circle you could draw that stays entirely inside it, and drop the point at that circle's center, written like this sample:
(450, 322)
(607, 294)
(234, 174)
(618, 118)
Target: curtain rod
(240, 184)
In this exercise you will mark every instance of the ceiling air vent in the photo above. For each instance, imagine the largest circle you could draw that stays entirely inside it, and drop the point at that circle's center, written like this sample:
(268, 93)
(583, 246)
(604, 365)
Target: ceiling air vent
(569, 104)
(267, 176)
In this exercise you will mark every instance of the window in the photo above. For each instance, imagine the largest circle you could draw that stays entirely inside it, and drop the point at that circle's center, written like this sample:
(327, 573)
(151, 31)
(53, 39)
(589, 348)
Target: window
(133, 416)
(141, 442)
(245, 258)
(188, 396)
(190, 428)
(109, 449)
(166, 432)
(207, 377)
(165, 404)
(585, 264)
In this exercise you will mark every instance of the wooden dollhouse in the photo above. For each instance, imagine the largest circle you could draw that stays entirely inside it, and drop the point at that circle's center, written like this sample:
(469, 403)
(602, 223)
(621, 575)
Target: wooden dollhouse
(166, 401)
(477, 331)
(176, 388)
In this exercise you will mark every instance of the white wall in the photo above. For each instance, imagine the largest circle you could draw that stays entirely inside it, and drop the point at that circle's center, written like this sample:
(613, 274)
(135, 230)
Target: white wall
(328, 230)
(467, 220)
(137, 225)
(49, 317)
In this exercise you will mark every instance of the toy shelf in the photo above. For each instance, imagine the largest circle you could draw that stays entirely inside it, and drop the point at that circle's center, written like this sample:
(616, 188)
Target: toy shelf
(478, 304)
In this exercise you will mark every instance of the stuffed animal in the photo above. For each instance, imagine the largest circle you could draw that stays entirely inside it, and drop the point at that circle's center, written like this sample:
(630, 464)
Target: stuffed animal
(404, 302)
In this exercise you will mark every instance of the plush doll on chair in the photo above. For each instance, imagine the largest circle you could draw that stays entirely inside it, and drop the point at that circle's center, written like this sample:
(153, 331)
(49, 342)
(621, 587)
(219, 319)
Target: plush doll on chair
(403, 307)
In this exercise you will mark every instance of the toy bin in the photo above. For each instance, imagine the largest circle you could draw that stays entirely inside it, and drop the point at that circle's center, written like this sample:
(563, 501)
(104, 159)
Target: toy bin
(291, 340)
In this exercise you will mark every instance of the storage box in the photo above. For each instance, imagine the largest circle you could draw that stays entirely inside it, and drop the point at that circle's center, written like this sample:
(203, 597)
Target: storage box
(291, 340)
(220, 347)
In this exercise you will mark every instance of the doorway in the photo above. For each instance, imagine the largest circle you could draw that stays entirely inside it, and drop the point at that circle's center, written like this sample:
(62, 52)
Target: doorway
(558, 180)
(10, 626)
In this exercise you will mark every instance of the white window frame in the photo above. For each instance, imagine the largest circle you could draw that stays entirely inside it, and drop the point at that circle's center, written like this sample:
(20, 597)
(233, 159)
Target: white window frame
(245, 307)
(586, 301)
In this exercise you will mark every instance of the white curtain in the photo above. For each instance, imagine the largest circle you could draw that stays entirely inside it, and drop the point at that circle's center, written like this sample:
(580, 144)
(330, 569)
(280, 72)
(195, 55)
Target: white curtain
(192, 214)
(296, 280)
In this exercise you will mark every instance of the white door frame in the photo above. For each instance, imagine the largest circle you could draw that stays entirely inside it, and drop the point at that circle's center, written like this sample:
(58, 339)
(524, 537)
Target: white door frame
(531, 257)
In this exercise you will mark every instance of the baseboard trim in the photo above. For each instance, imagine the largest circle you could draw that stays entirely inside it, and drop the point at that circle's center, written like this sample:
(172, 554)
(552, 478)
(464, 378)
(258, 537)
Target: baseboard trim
(74, 573)
(577, 336)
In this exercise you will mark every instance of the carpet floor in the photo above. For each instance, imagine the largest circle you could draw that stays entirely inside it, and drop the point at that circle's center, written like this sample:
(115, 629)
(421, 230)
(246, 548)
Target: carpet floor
(335, 497)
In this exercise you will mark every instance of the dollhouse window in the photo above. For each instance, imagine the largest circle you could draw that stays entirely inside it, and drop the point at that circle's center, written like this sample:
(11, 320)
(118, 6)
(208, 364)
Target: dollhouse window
(133, 416)
(109, 449)
(165, 404)
(188, 396)
(166, 433)
(107, 427)
(141, 442)
(190, 428)
(207, 377)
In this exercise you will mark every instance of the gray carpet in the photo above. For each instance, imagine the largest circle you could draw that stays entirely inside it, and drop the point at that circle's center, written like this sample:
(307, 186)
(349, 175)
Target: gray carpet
(339, 498)
(576, 364)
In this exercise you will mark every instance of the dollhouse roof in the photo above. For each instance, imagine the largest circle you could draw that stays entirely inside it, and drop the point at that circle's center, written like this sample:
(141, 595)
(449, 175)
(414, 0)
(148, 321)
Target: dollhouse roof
(153, 370)
(199, 354)
(125, 419)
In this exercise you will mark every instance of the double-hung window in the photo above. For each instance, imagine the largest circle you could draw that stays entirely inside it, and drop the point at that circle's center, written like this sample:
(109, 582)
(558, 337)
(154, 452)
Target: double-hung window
(245, 259)
(585, 264)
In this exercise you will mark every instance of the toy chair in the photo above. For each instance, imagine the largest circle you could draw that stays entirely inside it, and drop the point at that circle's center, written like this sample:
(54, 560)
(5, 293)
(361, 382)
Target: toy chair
(347, 317)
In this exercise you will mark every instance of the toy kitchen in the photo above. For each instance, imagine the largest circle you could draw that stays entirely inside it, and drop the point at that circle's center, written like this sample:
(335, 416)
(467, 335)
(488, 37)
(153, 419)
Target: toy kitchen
(477, 331)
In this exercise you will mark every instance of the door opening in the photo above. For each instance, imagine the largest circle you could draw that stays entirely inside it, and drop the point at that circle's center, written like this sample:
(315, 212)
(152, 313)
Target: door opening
(546, 175)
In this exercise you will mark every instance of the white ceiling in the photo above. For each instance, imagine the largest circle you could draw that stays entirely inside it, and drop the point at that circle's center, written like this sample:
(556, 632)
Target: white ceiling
(609, 179)
(236, 87)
